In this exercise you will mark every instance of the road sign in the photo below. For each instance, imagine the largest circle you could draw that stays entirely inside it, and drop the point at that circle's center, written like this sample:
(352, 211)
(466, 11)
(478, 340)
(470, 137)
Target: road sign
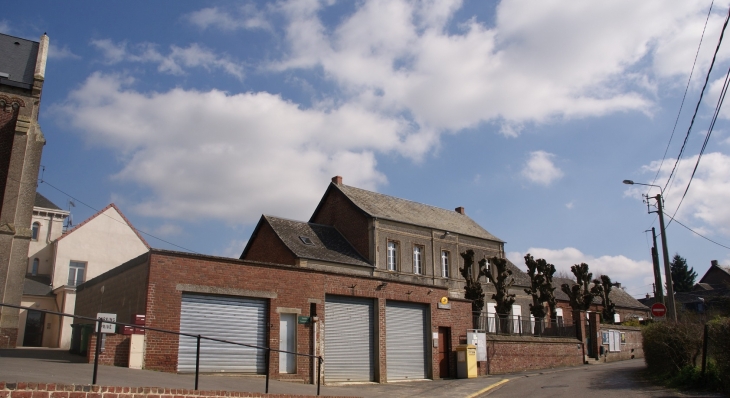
(658, 310)
(108, 328)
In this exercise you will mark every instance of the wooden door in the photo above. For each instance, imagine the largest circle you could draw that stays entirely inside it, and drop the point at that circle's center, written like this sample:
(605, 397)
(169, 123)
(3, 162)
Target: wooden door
(444, 351)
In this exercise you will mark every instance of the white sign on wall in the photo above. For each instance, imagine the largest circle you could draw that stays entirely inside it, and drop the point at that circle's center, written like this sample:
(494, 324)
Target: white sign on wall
(480, 341)
(108, 328)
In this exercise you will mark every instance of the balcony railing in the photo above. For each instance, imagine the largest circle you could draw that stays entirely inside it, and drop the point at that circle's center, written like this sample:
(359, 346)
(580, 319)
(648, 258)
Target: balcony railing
(522, 326)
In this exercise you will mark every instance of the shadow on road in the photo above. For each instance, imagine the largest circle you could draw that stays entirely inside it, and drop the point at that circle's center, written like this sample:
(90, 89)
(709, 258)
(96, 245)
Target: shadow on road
(44, 354)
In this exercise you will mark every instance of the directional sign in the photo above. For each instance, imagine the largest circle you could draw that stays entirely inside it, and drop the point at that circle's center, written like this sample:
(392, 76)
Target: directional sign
(658, 310)
(108, 328)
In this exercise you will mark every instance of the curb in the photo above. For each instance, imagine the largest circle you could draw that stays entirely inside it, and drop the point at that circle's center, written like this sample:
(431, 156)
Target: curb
(486, 389)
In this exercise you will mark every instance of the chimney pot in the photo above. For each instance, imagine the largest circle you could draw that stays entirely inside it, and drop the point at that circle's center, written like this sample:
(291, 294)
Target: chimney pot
(460, 210)
(714, 262)
(648, 296)
(337, 180)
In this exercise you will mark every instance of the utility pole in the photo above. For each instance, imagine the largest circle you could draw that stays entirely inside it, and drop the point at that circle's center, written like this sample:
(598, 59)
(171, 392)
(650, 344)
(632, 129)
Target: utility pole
(658, 290)
(671, 309)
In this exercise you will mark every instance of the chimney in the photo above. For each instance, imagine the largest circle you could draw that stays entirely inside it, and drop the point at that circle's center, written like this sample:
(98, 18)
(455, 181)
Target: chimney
(714, 262)
(617, 284)
(648, 296)
(337, 180)
(460, 210)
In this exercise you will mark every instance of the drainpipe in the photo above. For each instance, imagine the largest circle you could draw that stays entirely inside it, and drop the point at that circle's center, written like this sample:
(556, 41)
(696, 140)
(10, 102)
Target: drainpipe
(314, 350)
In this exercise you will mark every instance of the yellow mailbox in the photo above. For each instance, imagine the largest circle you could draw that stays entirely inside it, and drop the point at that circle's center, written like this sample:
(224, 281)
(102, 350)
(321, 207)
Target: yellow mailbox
(466, 361)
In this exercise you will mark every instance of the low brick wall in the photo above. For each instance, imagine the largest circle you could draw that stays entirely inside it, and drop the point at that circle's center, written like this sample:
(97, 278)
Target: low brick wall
(632, 349)
(507, 354)
(43, 390)
(116, 350)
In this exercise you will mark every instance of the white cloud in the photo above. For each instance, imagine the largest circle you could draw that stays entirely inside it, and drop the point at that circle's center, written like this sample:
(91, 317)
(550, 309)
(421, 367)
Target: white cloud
(537, 64)
(56, 52)
(245, 17)
(569, 205)
(540, 169)
(168, 229)
(632, 274)
(174, 62)
(705, 206)
(231, 157)
(5, 26)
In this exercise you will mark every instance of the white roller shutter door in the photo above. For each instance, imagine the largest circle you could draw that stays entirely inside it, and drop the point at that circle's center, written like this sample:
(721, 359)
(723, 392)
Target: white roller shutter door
(405, 331)
(237, 319)
(348, 339)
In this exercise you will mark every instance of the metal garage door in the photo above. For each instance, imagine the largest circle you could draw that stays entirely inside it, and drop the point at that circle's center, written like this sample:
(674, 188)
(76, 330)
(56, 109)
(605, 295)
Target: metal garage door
(348, 339)
(405, 331)
(238, 319)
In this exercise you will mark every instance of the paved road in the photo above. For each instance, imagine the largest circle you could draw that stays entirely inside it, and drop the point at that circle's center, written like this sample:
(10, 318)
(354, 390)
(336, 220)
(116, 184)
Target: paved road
(49, 366)
(617, 379)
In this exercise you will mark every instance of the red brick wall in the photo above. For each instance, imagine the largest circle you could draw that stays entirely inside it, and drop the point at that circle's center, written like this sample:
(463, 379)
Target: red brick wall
(508, 354)
(57, 390)
(267, 247)
(115, 353)
(294, 288)
(338, 211)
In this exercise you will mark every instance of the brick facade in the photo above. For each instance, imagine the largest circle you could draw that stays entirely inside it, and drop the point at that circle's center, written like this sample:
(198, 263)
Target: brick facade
(337, 210)
(508, 354)
(115, 351)
(268, 247)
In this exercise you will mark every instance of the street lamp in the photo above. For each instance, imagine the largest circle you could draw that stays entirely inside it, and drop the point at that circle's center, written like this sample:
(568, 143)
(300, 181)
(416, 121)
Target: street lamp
(671, 309)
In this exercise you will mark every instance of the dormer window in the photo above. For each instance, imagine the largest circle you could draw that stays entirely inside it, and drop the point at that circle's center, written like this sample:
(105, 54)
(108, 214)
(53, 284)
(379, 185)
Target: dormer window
(306, 240)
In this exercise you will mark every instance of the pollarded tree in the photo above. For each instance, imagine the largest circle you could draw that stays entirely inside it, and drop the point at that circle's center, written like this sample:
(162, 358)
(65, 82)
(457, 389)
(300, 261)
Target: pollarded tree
(473, 289)
(499, 279)
(548, 291)
(580, 294)
(603, 288)
(537, 279)
(683, 277)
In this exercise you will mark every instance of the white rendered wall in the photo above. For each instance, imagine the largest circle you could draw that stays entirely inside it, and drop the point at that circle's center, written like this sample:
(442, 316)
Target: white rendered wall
(103, 242)
(51, 228)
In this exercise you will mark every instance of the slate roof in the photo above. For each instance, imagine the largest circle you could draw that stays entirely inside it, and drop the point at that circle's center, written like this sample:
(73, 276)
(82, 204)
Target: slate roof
(618, 296)
(42, 201)
(521, 277)
(39, 285)
(327, 243)
(17, 60)
(401, 210)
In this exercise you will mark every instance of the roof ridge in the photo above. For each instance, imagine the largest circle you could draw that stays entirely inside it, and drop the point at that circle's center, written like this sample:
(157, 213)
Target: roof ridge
(100, 212)
(298, 221)
(403, 199)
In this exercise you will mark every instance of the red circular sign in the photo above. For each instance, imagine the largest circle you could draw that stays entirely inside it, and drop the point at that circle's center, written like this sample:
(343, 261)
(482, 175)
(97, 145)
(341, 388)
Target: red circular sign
(658, 310)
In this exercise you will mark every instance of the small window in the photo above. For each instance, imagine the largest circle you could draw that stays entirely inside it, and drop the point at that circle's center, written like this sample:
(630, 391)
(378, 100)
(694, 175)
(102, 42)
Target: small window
(34, 270)
(36, 230)
(306, 240)
(444, 263)
(392, 256)
(418, 259)
(76, 273)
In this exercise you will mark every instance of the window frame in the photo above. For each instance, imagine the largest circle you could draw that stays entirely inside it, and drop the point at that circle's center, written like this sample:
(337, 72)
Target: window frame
(76, 281)
(445, 263)
(35, 231)
(418, 260)
(35, 267)
(391, 255)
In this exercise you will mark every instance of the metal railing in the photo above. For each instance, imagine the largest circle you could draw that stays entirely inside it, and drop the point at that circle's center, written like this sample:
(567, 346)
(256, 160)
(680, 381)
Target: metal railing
(97, 349)
(519, 325)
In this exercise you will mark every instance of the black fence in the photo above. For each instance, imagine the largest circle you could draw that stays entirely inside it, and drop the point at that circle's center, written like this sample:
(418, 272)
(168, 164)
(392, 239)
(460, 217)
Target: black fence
(519, 325)
(198, 337)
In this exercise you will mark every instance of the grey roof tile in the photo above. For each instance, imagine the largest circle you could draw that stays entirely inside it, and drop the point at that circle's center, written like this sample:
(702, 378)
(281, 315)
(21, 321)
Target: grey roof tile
(521, 277)
(39, 285)
(327, 243)
(396, 209)
(42, 201)
(18, 60)
(617, 295)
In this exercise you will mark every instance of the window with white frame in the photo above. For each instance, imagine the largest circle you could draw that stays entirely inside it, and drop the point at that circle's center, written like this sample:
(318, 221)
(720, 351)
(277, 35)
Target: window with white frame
(392, 256)
(35, 230)
(417, 259)
(444, 263)
(76, 273)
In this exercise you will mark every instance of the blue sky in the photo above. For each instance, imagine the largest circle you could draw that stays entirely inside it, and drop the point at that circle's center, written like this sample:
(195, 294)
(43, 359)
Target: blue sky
(196, 118)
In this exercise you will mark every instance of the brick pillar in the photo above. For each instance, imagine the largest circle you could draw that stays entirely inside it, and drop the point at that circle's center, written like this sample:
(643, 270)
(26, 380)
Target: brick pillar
(594, 319)
(579, 319)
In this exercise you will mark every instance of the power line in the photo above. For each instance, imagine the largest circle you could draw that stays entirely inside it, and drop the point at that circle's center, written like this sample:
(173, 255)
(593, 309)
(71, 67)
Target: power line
(697, 233)
(681, 105)
(699, 101)
(112, 218)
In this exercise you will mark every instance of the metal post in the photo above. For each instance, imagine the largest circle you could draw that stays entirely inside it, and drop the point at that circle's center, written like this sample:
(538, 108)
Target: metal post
(268, 361)
(97, 350)
(659, 291)
(667, 269)
(319, 373)
(704, 350)
(197, 363)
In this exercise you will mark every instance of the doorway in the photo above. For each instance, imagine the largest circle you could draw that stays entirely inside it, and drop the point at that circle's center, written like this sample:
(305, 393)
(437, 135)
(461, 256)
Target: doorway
(444, 351)
(287, 342)
(33, 336)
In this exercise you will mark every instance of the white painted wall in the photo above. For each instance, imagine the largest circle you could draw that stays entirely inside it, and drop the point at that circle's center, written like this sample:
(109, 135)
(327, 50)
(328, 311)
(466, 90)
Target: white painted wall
(103, 242)
(51, 228)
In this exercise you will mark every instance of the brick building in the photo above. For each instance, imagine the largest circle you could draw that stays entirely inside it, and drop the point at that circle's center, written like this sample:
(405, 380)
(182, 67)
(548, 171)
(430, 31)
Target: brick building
(22, 72)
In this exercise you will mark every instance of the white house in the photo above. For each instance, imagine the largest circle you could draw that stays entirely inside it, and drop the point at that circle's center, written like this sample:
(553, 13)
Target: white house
(58, 262)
